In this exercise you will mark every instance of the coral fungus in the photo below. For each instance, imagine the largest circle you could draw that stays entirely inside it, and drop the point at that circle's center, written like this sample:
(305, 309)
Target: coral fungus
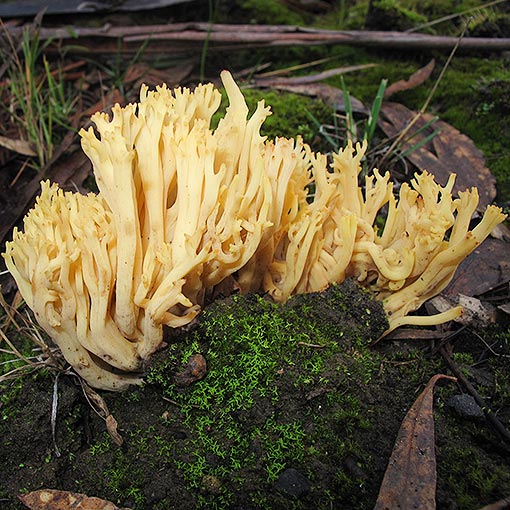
(181, 207)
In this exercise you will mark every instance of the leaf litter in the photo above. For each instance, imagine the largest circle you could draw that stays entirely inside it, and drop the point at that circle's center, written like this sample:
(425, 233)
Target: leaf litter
(50, 499)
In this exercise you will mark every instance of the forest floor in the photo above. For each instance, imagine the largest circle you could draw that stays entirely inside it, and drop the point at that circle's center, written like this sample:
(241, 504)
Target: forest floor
(301, 405)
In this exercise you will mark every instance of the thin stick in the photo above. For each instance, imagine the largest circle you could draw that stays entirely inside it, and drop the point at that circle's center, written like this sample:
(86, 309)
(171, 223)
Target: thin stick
(54, 410)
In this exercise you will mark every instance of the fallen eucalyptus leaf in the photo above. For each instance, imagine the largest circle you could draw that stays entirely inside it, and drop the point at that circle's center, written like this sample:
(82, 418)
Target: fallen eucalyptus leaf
(474, 312)
(414, 80)
(485, 269)
(410, 478)
(447, 151)
(111, 427)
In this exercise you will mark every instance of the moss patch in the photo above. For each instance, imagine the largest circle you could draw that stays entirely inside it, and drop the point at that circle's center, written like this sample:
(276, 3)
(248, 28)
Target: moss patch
(269, 367)
(291, 114)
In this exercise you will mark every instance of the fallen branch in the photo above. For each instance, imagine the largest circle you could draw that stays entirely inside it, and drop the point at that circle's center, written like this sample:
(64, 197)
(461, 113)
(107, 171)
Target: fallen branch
(176, 37)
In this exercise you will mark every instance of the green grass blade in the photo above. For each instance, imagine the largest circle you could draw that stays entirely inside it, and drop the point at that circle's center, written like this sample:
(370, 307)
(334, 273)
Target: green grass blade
(425, 126)
(319, 126)
(374, 112)
(419, 144)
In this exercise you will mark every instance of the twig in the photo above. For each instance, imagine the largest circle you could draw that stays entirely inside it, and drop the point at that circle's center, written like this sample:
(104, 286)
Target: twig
(491, 350)
(453, 16)
(54, 410)
(177, 37)
(315, 346)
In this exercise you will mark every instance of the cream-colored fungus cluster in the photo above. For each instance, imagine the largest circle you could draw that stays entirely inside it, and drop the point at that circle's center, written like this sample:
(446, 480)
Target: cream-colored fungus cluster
(182, 206)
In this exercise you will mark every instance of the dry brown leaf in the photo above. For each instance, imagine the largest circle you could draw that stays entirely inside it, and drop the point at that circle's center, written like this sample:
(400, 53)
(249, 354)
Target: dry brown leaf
(415, 80)
(505, 309)
(70, 172)
(24, 199)
(475, 313)
(106, 102)
(50, 499)
(414, 334)
(20, 146)
(484, 270)
(99, 405)
(458, 152)
(410, 478)
(111, 426)
(139, 74)
(448, 152)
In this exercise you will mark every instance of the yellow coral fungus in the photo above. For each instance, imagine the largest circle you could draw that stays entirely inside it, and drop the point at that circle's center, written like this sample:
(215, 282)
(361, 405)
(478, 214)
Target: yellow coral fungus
(181, 207)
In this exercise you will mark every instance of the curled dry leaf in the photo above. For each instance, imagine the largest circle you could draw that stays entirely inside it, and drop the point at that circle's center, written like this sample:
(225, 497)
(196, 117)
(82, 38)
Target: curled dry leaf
(50, 499)
(475, 313)
(99, 405)
(111, 426)
(410, 478)
(502, 504)
(414, 80)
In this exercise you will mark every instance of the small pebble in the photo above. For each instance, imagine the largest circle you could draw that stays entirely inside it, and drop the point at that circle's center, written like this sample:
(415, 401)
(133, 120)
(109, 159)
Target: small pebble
(195, 370)
(465, 405)
(211, 484)
(293, 483)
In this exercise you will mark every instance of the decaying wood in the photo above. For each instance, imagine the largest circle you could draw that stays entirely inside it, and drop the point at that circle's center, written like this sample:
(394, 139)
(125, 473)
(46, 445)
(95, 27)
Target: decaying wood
(173, 38)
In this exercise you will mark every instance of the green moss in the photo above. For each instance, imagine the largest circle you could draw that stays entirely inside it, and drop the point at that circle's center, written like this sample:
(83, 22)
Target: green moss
(125, 472)
(101, 445)
(500, 390)
(466, 477)
(294, 385)
(343, 15)
(263, 357)
(292, 114)
(394, 15)
(272, 12)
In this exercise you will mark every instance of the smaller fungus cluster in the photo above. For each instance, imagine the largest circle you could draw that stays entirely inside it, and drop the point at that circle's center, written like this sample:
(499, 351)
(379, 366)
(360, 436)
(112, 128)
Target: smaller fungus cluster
(181, 207)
